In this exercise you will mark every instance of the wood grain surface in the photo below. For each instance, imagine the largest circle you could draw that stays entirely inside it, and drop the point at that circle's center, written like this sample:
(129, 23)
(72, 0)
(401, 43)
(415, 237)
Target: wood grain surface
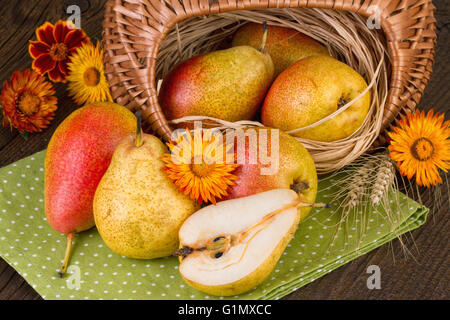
(422, 275)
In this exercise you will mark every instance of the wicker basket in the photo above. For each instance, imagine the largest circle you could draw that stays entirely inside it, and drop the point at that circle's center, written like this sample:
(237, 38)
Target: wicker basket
(133, 31)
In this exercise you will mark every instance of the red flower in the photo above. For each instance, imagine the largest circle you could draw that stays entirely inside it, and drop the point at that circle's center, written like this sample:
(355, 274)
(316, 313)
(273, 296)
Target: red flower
(28, 101)
(55, 45)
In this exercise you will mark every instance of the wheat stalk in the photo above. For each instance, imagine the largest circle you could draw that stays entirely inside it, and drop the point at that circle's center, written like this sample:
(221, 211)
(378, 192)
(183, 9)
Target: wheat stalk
(366, 185)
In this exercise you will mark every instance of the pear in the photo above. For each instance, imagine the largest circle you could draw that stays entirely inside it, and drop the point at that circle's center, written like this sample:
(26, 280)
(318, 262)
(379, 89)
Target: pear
(77, 156)
(284, 45)
(137, 208)
(310, 90)
(227, 84)
(230, 248)
(296, 168)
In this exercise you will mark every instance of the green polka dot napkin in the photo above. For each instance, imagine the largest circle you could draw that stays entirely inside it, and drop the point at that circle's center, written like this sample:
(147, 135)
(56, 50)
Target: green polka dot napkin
(35, 250)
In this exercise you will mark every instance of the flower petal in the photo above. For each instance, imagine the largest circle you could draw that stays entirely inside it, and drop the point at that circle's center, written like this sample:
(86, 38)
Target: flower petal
(37, 48)
(62, 65)
(75, 38)
(43, 64)
(45, 33)
(60, 31)
(56, 75)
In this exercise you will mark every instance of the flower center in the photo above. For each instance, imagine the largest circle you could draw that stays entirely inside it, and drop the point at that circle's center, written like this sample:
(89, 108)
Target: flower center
(91, 77)
(29, 103)
(202, 169)
(422, 149)
(58, 51)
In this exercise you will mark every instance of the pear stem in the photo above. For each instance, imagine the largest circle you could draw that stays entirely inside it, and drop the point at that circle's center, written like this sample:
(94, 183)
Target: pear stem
(139, 133)
(184, 251)
(264, 37)
(302, 204)
(67, 255)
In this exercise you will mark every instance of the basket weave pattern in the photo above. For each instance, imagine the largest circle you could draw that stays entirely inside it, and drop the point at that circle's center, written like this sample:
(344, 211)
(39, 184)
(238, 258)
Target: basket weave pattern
(133, 31)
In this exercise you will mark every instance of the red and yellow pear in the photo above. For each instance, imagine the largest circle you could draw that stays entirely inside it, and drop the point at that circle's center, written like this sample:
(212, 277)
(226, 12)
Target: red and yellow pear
(284, 45)
(227, 84)
(78, 155)
(295, 170)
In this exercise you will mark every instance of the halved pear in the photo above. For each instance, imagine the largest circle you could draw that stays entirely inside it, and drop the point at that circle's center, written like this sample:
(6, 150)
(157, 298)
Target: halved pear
(231, 247)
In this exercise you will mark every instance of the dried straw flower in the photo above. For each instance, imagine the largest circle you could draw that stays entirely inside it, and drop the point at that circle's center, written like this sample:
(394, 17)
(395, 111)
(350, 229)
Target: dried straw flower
(28, 102)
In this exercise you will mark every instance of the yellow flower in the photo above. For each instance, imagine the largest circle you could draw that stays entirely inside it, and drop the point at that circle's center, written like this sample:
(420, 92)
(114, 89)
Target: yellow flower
(420, 145)
(200, 171)
(87, 82)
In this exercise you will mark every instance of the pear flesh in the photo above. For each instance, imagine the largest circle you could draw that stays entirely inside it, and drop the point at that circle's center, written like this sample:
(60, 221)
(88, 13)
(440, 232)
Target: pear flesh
(234, 245)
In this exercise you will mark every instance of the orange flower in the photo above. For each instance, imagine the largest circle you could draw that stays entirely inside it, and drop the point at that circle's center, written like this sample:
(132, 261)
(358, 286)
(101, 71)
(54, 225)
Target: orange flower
(28, 102)
(54, 46)
(421, 146)
(200, 172)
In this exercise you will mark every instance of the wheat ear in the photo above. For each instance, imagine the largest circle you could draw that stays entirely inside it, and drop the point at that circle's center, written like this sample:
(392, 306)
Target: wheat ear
(383, 180)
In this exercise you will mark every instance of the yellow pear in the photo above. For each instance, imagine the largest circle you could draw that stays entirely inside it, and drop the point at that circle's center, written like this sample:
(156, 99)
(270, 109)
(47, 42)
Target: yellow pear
(229, 248)
(310, 90)
(137, 208)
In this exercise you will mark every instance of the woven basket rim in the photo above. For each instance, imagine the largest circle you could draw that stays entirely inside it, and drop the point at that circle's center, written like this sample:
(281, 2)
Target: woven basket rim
(409, 27)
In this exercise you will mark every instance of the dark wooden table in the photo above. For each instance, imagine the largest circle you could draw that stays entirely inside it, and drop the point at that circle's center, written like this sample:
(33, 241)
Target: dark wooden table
(425, 275)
